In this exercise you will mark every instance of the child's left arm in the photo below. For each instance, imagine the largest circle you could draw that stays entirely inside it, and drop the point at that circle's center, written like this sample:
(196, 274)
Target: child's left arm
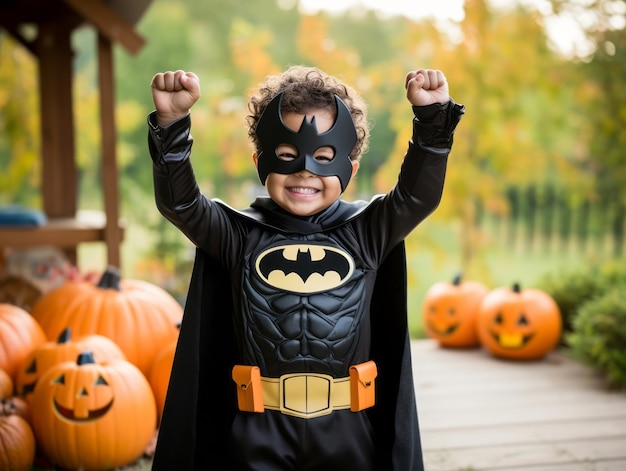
(422, 175)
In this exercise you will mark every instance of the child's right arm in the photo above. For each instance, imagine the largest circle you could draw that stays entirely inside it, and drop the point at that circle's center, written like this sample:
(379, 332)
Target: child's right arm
(174, 93)
(177, 194)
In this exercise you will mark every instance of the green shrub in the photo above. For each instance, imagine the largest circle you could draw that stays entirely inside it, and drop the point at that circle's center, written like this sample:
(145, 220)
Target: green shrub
(571, 290)
(614, 273)
(599, 336)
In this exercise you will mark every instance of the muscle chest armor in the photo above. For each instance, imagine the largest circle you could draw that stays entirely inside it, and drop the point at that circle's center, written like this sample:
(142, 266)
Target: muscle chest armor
(303, 308)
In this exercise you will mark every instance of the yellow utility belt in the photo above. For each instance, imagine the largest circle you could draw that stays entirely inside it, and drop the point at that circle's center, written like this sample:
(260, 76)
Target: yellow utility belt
(305, 395)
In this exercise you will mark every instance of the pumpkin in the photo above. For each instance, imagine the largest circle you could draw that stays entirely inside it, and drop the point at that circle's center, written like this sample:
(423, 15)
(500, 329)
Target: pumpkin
(6, 385)
(159, 376)
(450, 310)
(138, 316)
(17, 443)
(519, 324)
(15, 405)
(95, 416)
(20, 334)
(64, 349)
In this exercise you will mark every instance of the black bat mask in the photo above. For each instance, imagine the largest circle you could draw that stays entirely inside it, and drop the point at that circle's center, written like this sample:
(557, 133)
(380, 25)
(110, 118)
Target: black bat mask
(272, 132)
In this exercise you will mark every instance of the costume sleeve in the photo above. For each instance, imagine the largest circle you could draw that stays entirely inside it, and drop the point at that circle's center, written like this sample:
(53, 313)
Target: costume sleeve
(423, 169)
(422, 175)
(176, 190)
(434, 125)
(420, 183)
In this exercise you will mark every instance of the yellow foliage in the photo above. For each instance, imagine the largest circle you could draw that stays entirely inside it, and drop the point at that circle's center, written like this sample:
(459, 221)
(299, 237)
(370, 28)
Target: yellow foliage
(86, 121)
(249, 50)
(19, 121)
(129, 116)
(316, 46)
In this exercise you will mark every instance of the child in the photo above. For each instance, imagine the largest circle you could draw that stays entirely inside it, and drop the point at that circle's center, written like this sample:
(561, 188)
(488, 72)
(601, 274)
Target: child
(294, 351)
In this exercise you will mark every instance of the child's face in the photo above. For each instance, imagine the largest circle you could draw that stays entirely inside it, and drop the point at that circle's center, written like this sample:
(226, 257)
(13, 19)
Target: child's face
(303, 193)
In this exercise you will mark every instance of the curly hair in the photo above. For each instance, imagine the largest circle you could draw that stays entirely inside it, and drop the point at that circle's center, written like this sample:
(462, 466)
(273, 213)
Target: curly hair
(305, 88)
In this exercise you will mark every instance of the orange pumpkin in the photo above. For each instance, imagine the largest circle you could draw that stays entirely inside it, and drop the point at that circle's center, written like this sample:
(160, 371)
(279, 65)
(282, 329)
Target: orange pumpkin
(15, 405)
(17, 443)
(96, 416)
(519, 324)
(159, 376)
(20, 334)
(450, 311)
(6, 384)
(138, 316)
(64, 349)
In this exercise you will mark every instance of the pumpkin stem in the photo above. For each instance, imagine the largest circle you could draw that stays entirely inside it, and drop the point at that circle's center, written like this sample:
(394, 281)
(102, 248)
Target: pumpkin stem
(517, 288)
(110, 279)
(456, 281)
(65, 336)
(85, 358)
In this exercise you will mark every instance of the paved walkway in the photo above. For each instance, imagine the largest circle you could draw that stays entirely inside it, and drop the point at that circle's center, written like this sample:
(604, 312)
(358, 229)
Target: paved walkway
(480, 413)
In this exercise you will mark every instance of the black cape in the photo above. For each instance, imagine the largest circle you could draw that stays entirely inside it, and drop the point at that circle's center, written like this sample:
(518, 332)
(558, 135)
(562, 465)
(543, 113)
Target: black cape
(201, 400)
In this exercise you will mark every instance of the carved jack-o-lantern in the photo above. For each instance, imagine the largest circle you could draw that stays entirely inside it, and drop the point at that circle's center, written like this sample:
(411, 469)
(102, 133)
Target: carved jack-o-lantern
(89, 415)
(450, 311)
(64, 349)
(519, 324)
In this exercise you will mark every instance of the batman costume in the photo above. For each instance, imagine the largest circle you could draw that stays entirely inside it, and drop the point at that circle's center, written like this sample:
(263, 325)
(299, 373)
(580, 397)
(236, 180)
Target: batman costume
(302, 299)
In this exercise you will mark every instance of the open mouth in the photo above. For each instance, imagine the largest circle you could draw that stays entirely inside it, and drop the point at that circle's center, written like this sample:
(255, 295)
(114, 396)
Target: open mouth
(303, 190)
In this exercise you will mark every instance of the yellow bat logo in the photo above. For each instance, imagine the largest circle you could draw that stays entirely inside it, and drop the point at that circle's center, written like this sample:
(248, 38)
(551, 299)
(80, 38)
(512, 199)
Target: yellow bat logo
(304, 268)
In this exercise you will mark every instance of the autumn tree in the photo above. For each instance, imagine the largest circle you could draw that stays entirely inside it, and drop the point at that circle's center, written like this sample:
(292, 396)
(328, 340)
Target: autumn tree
(513, 86)
(601, 98)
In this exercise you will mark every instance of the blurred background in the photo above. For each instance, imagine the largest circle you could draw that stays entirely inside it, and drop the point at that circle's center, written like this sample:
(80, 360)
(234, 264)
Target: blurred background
(536, 183)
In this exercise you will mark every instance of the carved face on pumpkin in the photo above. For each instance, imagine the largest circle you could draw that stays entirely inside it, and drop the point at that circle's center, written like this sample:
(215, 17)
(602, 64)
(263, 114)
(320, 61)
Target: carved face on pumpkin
(63, 349)
(40, 360)
(520, 325)
(511, 328)
(450, 311)
(93, 416)
(88, 397)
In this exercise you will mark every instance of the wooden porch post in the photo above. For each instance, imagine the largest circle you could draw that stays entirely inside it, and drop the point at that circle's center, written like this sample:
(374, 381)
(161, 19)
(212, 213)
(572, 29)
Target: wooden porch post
(60, 176)
(112, 232)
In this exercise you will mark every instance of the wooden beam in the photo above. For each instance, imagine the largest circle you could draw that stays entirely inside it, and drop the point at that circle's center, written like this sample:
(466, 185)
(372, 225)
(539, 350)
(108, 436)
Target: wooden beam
(59, 180)
(109, 23)
(59, 174)
(112, 234)
(66, 233)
